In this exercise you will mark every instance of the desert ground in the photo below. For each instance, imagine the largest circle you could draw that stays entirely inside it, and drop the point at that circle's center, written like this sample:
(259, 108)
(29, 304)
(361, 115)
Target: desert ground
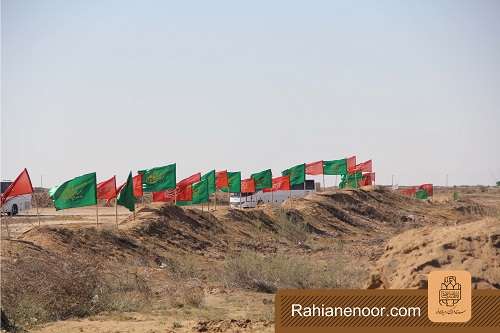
(171, 269)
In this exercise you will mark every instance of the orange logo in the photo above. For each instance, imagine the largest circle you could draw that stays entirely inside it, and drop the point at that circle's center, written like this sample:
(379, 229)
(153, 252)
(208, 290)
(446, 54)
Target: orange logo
(449, 296)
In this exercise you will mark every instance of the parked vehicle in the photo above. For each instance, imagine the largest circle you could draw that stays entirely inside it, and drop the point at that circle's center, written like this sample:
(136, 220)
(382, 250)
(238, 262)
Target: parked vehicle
(14, 205)
(252, 200)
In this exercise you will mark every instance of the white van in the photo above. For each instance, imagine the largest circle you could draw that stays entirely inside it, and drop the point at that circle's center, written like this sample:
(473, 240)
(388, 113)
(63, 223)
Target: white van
(16, 204)
(252, 200)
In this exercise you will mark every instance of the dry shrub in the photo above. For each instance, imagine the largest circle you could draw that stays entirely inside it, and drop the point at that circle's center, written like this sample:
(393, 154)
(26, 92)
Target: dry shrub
(183, 268)
(292, 229)
(188, 293)
(51, 287)
(250, 270)
(44, 289)
(124, 291)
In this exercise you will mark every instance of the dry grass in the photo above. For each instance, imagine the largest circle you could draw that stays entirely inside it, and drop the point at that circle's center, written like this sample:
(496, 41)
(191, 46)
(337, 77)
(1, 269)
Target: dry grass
(250, 270)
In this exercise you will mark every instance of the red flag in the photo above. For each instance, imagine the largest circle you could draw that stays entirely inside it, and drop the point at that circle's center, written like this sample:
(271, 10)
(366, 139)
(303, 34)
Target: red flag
(22, 185)
(164, 196)
(314, 168)
(279, 184)
(428, 188)
(190, 180)
(184, 193)
(221, 180)
(364, 167)
(137, 184)
(106, 190)
(410, 192)
(248, 185)
(367, 179)
(351, 164)
(118, 190)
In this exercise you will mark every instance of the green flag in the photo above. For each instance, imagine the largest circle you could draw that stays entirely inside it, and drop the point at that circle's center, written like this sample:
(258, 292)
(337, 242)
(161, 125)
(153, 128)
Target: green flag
(422, 194)
(210, 178)
(234, 180)
(158, 179)
(263, 179)
(200, 192)
(126, 196)
(335, 167)
(77, 192)
(297, 174)
(183, 203)
(351, 181)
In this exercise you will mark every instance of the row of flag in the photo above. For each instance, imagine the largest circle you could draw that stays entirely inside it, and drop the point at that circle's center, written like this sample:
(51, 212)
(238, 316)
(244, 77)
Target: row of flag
(196, 189)
(423, 191)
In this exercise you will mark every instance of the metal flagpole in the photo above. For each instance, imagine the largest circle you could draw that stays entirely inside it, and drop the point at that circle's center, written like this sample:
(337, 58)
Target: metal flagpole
(215, 198)
(324, 187)
(336, 180)
(97, 213)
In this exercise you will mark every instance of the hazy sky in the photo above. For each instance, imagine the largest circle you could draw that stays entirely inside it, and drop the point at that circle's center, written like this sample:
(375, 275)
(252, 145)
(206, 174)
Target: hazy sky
(113, 86)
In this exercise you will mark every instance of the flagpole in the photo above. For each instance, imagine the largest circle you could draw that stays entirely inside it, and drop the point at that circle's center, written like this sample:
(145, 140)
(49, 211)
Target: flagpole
(116, 212)
(37, 213)
(272, 196)
(97, 213)
(336, 180)
(324, 188)
(208, 201)
(215, 199)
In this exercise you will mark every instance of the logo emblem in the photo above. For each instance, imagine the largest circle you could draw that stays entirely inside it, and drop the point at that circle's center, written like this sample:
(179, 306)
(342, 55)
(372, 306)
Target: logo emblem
(450, 293)
(449, 296)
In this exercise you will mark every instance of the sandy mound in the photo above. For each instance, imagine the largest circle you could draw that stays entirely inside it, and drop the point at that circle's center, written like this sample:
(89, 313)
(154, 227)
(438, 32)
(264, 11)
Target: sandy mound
(473, 246)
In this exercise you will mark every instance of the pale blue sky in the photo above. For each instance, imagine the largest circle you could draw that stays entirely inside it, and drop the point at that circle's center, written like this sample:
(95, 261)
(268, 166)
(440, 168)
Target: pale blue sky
(110, 86)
